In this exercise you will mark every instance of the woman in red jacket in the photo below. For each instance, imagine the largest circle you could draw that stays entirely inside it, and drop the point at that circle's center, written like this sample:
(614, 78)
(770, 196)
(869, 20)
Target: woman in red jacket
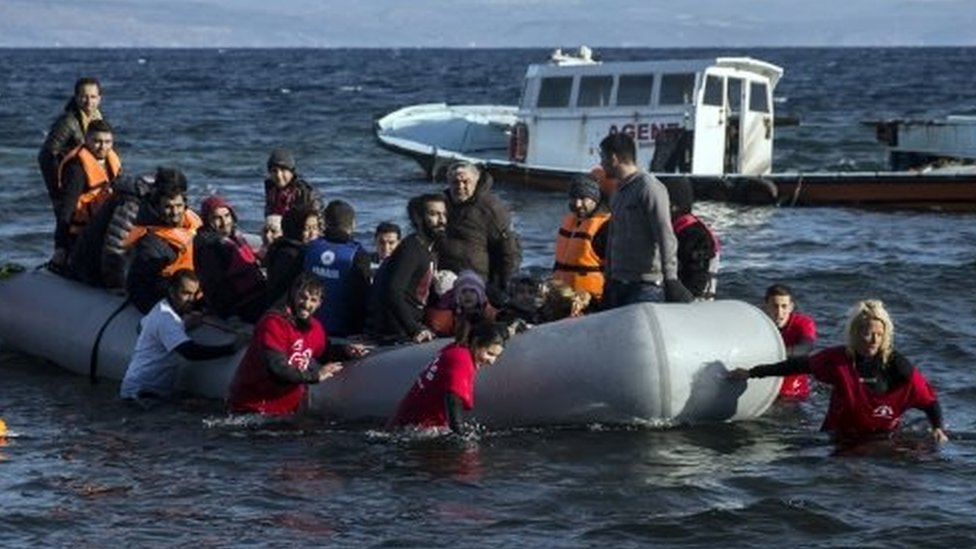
(873, 385)
(447, 384)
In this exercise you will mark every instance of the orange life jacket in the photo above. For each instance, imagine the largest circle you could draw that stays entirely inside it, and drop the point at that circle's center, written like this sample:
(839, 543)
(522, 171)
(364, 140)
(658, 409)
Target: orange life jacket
(180, 238)
(98, 184)
(577, 263)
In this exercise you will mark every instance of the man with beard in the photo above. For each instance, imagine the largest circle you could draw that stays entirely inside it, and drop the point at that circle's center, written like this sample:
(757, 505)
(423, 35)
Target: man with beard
(162, 238)
(285, 353)
(642, 246)
(231, 278)
(402, 285)
(582, 239)
(163, 344)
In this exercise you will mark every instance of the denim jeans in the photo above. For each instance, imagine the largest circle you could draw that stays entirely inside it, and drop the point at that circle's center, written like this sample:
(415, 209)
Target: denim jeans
(618, 294)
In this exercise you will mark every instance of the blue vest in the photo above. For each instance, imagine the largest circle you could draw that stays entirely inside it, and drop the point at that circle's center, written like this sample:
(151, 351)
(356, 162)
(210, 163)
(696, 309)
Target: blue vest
(332, 262)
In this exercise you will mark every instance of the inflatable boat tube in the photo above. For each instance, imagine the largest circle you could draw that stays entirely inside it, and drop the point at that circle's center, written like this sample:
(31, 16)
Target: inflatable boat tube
(641, 364)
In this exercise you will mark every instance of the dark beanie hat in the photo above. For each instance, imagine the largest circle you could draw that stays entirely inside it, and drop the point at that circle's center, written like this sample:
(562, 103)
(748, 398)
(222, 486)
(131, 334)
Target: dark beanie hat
(282, 158)
(211, 203)
(584, 186)
(680, 193)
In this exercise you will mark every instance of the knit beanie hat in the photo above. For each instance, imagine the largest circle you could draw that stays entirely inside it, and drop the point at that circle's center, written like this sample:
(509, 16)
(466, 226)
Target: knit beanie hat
(680, 193)
(281, 158)
(584, 186)
(210, 205)
(470, 279)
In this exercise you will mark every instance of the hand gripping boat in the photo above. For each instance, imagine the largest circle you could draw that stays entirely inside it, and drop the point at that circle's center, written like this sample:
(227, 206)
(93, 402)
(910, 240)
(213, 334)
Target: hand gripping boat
(645, 364)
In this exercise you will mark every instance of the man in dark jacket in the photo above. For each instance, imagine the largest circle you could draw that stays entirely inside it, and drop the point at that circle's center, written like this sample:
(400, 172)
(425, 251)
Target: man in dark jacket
(284, 189)
(162, 239)
(343, 265)
(402, 285)
(479, 236)
(68, 132)
(230, 276)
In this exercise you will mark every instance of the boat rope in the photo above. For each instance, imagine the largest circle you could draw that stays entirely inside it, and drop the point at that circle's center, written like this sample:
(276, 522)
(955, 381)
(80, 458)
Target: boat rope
(93, 359)
(796, 191)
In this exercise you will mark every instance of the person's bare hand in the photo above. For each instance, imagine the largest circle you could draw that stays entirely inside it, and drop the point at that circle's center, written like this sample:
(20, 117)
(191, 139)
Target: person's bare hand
(329, 370)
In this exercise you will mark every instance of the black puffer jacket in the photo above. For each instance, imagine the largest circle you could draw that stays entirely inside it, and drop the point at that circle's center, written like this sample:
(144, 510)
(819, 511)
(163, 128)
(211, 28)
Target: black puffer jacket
(65, 134)
(480, 237)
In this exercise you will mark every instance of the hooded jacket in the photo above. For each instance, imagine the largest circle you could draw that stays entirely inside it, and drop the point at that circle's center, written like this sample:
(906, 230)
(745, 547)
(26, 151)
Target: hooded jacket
(480, 237)
(230, 276)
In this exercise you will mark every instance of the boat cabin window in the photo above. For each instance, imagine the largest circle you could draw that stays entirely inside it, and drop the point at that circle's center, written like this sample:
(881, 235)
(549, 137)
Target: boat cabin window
(635, 90)
(677, 89)
(555, 91)
(735, 95)
(758, 99)
(594, 91)
(713, 91)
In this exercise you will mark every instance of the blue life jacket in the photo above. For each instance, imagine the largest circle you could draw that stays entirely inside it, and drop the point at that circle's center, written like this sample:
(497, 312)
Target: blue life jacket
(333, 262)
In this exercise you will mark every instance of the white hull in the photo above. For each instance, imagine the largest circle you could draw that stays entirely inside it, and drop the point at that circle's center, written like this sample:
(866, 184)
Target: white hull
(435, 134)
(642, 364)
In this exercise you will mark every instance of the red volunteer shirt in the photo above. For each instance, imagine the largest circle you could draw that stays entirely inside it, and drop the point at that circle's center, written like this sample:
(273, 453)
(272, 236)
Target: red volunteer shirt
(452, 371)
(799, 328)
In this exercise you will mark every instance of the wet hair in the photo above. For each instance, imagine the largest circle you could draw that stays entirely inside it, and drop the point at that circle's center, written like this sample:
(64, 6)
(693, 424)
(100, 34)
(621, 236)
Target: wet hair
(98, 126)
(777, 290)
(859, 316)
(340, 216)
(482, 333)
(305, 282)
(417, 208)
(176, 280)
(619, 144)
(87, 81)
(388, 227)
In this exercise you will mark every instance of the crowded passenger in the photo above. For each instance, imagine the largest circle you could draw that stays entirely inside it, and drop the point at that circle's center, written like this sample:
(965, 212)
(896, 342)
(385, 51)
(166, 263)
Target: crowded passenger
(642, 263)
(270, 231)
(343, 266)
(799, 333)
(163, 345)
(403, 283)
(445, 388)
(85, 180)
(231, 278)
(526, 296)
(872, 384)
(288, 351)
(68, 132)
(480, 236)
(284, 189)
(385, 239)
(562, 301)
(162, 240)
(286, 255)
(581, 241)
(100, 255)
(698, 247)
(465, 302)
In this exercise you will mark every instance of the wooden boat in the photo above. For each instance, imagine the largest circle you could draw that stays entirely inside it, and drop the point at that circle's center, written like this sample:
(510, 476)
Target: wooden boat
(643, 364)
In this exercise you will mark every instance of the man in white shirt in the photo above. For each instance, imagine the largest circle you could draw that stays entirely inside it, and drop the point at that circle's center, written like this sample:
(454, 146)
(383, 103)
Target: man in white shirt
(163, 344)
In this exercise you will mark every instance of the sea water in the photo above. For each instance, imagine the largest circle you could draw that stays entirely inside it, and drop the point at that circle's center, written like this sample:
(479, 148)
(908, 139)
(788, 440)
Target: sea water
(77, 467)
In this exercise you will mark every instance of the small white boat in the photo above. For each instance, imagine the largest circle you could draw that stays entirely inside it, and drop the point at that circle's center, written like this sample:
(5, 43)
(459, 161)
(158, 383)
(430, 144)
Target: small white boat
(436, 133)
(706, 116)
(643, 364)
